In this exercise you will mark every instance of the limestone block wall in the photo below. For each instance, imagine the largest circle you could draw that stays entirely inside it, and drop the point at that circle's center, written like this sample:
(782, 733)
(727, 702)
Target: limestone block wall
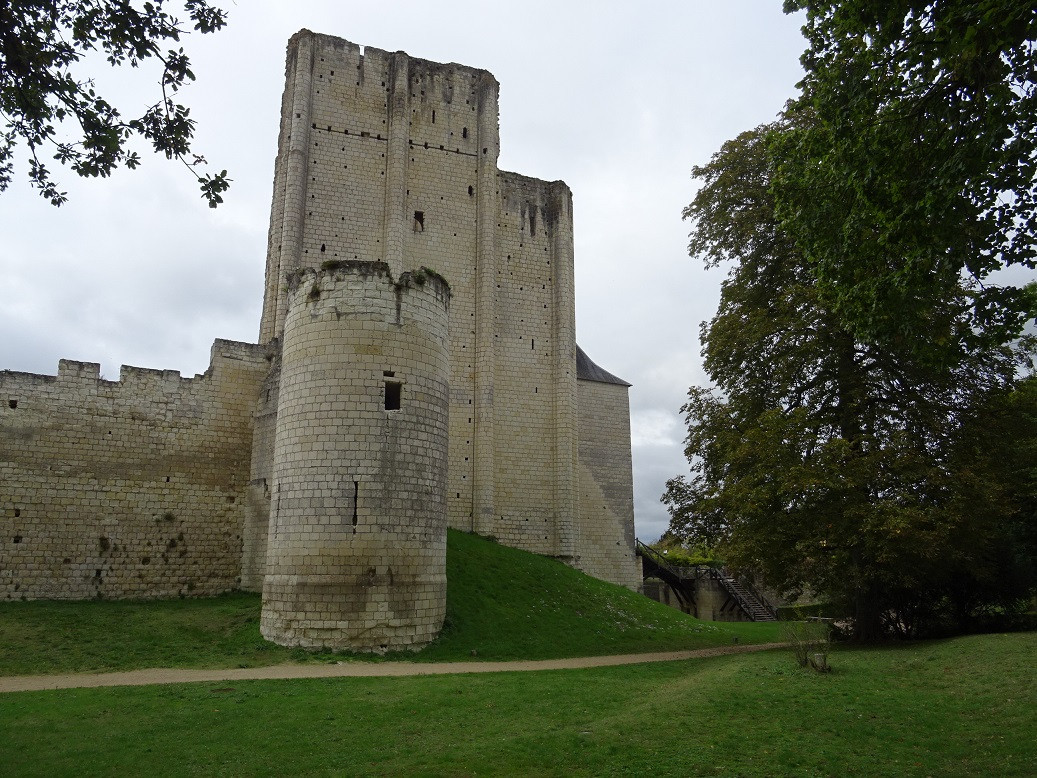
(257, 514)
(356, 553)
(129, 488)
(387, 157)
(534, 370)
(605, 545)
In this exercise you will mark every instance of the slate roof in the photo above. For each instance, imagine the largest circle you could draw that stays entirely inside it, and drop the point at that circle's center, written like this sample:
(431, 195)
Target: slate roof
(586, 370)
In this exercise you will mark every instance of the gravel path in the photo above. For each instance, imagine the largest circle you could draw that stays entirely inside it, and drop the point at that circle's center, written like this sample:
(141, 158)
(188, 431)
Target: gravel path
(25, 683)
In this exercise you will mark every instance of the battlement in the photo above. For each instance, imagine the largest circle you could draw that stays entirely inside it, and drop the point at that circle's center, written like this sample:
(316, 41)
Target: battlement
(128, 488)
(385, 401)
(74, 376)
(339, 270)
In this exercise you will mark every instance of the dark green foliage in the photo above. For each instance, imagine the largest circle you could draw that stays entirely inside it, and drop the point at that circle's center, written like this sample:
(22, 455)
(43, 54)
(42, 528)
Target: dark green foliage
(911, 173)
(860, 469)
(45, 102)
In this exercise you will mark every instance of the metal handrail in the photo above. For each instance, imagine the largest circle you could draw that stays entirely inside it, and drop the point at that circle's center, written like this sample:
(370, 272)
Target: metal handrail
(762, 600)
(681, 573)
(661, 561)
(730, 589)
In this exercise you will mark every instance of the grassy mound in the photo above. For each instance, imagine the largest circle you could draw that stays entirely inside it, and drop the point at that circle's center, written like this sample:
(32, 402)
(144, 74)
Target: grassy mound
(504, 603)
(501, 604)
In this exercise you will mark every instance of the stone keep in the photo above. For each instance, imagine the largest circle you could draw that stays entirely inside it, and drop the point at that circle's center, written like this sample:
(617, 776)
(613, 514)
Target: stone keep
(156, 484)
(385, 157)
(356, 552)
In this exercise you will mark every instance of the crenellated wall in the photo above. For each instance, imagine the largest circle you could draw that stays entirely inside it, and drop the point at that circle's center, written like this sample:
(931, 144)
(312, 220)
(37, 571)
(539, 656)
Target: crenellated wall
(128, 488)
(157, 485)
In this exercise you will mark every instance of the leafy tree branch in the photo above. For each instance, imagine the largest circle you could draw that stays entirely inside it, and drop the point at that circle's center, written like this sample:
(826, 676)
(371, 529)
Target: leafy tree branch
(42, 94)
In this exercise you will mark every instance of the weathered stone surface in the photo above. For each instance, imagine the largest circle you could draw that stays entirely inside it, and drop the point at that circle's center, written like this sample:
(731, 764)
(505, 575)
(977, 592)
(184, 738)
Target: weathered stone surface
(356, 554)
(129, 488)
(250, 475)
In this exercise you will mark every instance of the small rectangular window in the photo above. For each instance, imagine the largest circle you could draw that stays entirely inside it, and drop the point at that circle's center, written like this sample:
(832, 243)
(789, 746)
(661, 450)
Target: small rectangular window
(393, 394)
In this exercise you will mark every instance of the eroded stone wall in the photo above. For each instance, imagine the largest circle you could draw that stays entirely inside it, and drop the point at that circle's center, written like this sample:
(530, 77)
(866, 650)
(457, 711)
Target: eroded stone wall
(534, 371)
(129, 488)
(605, 544)
(387, 157)
(357, 539)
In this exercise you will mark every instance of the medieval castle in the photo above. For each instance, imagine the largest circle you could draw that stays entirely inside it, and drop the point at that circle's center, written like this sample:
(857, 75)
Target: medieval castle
(417, 368)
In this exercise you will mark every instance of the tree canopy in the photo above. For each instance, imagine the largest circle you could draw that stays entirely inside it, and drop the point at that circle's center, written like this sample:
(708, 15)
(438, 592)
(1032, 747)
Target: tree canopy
(914, 167)
(827, 461)
(48, 105)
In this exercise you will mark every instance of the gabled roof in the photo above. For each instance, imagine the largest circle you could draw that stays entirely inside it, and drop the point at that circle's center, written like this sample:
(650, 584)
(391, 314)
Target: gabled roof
(586, 370)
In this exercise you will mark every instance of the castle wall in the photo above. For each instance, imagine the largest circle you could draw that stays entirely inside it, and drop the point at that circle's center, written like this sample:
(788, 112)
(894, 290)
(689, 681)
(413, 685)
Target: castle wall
(385, 157)
(129, 488)
(257, 513)
(534, 367)
(357, 540)
(605, 545)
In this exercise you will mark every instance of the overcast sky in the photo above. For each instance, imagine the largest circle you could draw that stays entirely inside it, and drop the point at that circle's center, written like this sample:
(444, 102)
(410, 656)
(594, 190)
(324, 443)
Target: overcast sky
(617, 99)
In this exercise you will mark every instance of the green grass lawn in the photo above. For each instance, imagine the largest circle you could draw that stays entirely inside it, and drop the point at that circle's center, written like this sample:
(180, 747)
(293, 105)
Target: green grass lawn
(501, 604)
(959, 707)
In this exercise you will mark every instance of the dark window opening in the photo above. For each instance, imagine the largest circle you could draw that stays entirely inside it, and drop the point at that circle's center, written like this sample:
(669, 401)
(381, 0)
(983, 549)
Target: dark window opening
(464, 132)
(471, 191)
(419, 221)
(356, 500)
(393, 395)
(12, 404)
(433, 117)
(17, 512)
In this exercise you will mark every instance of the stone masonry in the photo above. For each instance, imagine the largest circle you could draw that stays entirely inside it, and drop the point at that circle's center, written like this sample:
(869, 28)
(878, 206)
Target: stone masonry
(356, 555)
(283, 468)
(129, 488)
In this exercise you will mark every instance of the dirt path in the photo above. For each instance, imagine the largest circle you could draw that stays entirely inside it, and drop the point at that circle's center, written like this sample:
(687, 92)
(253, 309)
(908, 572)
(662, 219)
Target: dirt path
(26, 683)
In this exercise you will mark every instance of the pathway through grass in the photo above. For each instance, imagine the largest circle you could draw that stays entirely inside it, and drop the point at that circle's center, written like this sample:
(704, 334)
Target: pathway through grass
(958, 707)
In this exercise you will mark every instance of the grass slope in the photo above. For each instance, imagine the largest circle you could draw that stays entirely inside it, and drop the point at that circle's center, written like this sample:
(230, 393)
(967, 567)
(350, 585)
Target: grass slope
(961, 707)
(501, 603)
(509, 604)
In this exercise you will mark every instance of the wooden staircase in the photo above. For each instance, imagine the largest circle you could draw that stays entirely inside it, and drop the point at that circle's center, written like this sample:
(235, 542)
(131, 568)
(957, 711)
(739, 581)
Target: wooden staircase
(683, 581)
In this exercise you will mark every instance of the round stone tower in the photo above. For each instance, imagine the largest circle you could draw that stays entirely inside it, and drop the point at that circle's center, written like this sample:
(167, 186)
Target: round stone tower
(356, 553)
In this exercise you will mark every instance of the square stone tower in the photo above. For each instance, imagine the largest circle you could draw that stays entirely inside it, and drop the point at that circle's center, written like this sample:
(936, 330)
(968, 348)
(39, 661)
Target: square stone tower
(383, 157)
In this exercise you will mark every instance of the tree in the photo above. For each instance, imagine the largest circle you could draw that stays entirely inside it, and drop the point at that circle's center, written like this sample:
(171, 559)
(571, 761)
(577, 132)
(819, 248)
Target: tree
(42, 42)
(824, 460)
(918, 165)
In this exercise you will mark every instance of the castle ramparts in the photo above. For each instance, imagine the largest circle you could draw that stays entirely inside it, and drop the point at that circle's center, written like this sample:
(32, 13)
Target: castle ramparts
(417, 368)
